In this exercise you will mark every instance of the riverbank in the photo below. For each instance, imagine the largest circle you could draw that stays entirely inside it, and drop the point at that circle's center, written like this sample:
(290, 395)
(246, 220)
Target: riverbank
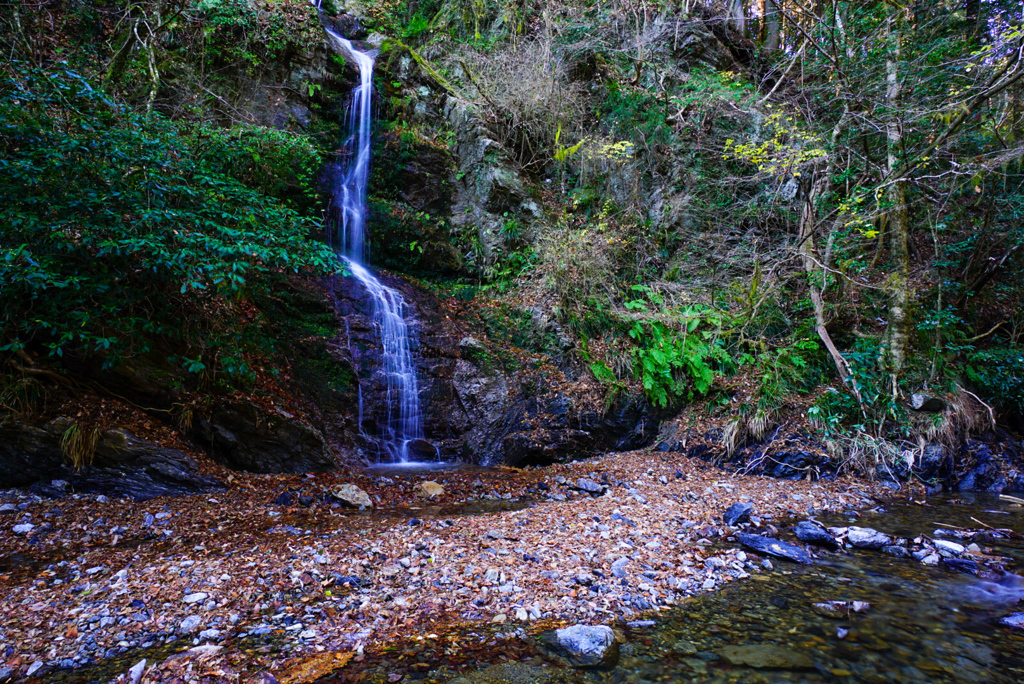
(274, 568)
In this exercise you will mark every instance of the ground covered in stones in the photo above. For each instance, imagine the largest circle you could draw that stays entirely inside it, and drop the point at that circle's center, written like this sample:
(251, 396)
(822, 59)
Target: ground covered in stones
(275, 576)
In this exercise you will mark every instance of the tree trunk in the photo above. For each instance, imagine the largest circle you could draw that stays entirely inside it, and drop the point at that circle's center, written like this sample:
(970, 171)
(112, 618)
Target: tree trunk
(738, 17)
(898, 333)
(772, 24)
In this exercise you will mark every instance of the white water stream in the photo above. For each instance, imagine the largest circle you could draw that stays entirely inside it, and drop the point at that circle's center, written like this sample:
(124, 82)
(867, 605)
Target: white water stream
(403, 422)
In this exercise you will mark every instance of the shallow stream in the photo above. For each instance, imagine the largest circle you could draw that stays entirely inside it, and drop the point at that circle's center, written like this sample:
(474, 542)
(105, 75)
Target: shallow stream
(925, 624)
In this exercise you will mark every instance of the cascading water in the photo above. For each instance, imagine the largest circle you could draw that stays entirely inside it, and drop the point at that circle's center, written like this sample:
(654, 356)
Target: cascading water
(346, 233)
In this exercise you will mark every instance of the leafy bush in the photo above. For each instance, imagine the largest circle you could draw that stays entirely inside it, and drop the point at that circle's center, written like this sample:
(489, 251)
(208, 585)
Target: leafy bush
(678, 362)
(999, 375)
(115, 222)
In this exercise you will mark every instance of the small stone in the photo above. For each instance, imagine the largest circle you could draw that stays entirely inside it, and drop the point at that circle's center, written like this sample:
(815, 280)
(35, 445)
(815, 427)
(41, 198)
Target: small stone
(190, 624)
(209, 634)
(307, 634)
(948, 548)
(495, 534)
(352, 496)
(619, 567)
(8, 508)
(896, 551)
(590, 486)
(586, 645)
(738, 513)
(148, 520)
(1014, 620)
(867, 538)
(23, 528)
(35, 667)
(840, 609)
(709, 584)
(429, 489)
(196, 597)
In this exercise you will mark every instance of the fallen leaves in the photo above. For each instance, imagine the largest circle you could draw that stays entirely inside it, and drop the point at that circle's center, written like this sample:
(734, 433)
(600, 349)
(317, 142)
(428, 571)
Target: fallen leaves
(310, 668)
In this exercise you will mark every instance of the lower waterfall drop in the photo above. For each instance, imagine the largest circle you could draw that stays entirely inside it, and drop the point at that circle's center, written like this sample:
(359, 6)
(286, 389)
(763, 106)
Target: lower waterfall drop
(403, 423)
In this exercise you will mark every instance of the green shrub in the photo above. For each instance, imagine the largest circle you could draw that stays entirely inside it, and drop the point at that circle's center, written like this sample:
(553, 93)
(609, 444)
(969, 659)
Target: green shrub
(998, 374)
(116, 223)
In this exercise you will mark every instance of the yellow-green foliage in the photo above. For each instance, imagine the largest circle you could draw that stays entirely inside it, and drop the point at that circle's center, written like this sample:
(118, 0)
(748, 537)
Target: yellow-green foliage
(789, 147)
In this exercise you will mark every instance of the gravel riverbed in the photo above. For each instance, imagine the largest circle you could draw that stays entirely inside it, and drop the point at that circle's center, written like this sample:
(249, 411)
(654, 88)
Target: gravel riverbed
(274, 572)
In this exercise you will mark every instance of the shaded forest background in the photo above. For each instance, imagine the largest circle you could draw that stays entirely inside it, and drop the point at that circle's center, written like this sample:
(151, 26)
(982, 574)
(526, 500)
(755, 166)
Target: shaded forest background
(775, 208)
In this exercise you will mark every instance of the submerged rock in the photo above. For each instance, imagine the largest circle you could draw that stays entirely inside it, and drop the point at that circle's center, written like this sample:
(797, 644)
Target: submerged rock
(353, 496)
(767, 656)
(840, 609)
(510, 673)
(586, 645)
(774, 547)
(738, 513)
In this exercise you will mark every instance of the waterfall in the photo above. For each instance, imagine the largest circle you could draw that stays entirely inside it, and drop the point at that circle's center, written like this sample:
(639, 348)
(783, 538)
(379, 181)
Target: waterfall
(346, 233)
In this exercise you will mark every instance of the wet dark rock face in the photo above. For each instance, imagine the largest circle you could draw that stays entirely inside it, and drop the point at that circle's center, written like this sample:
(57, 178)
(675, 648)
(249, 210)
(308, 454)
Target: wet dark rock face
(245, 436)
(124, 465)
(480, 403)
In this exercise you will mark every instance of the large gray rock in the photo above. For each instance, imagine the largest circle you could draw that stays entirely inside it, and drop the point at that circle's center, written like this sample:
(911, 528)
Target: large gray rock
(586, 645)
(926, 403)
(809, 533)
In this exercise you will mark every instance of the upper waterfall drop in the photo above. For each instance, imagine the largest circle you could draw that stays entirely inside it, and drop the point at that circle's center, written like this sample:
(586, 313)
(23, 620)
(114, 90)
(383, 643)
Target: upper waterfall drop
(346, 232)
(349, 196)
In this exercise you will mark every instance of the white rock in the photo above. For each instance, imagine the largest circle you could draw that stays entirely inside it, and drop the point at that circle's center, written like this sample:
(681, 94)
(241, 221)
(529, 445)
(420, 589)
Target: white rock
(353, 496)
(24, 528)
(587, 645)
(196, 597)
